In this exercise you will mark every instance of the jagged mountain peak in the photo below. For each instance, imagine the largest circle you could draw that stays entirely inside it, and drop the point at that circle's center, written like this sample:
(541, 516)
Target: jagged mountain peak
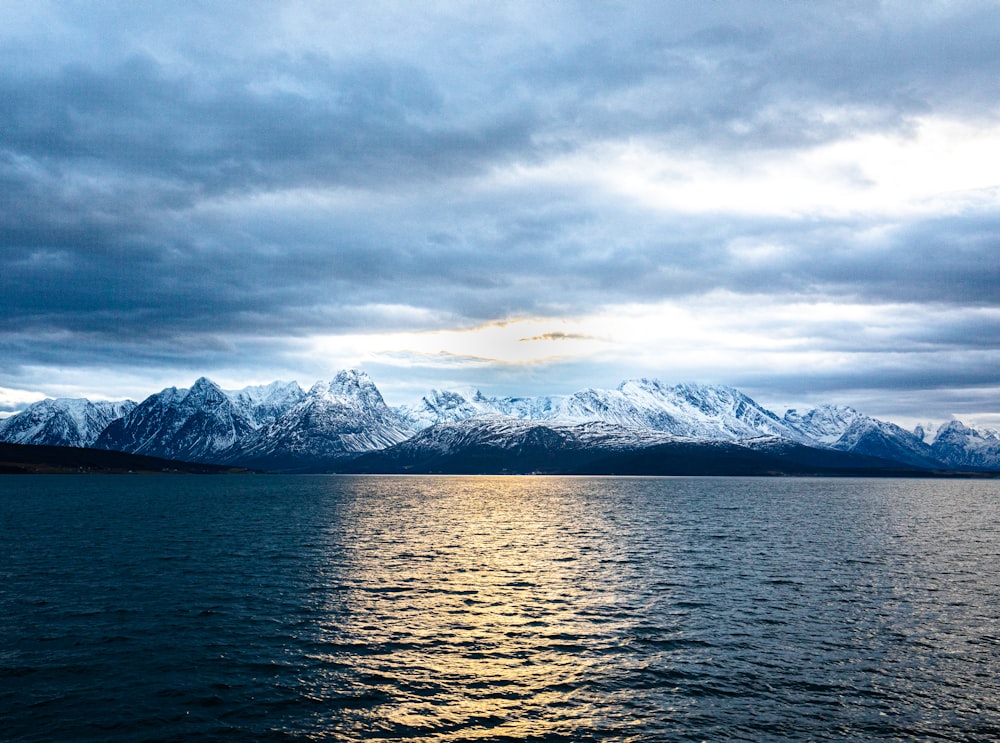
(62, 421)
(829, 410)
(715, 399)
(205, 391)
(960, 445)
(196, 424)
(334, 419)
(641, 383)
(954, 426)
(443, 405)
(279, 423)
(470, 394)
(927, 432)
(351, 382)
(266, 402)
(824, 423)
(870, 436)
(707, 411)
(348, 384)
(259, 393)
(698, 388)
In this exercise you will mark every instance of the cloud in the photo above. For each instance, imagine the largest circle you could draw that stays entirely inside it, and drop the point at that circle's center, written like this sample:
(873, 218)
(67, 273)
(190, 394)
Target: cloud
(214, 187)
(559, 336)
(14, 400)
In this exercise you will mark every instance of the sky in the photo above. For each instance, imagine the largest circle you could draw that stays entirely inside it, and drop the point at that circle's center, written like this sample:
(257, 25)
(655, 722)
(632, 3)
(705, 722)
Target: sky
(798, 199)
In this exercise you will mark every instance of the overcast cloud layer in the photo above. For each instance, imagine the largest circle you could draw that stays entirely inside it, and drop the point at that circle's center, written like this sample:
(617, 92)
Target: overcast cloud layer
(800, 199)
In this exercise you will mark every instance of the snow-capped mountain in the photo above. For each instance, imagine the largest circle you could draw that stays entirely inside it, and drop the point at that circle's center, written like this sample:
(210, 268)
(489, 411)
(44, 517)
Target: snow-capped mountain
(195, 425)
(824, 424)
(844, 428)
(505, 432)
(961, 446)
(343, 417)
(926, 432)
(278, 426)
(887, 440)
(62, 422)
(440, 406)
(503, 444)
(264, 404)
(701, 411)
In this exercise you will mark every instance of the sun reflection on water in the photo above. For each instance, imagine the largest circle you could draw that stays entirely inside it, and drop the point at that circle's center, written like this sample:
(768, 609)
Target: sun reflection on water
(484, 618)
(583, 609)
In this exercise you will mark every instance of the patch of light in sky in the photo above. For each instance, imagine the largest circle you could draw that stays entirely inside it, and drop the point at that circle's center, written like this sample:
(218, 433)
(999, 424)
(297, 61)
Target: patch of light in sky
(521, 341)
(940, 165)
(718, 338)
(718, 332)
(18, 398)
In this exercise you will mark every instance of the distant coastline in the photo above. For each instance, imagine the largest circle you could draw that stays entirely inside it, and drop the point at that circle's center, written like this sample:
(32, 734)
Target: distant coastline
(30, 459)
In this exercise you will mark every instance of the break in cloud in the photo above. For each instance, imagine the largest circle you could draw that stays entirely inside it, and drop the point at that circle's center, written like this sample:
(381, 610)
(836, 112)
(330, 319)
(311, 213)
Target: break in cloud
(800, 200)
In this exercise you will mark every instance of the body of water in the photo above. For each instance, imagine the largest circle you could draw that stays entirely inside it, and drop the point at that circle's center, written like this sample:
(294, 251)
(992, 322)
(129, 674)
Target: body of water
(449, 609)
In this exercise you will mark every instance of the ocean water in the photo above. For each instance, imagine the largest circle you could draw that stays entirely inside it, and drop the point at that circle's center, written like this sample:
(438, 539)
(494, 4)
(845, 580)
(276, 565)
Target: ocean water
(260, 608)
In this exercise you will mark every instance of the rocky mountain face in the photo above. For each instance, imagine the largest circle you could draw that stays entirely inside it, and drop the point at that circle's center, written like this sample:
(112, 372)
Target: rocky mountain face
(886, 440)
(281, 427)
(201, 424)
(495, 444)
(701, 411)
(274, 426)
(63, 422)
(961, 446)
(844, 428)
(332, 421)
(824, 425)
(264, 404)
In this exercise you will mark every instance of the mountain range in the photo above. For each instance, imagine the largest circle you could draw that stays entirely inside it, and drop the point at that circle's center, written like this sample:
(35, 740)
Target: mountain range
(643, 426)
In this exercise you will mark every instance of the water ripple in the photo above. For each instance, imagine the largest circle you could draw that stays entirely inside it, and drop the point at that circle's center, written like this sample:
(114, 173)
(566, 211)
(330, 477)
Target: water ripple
(498, 609)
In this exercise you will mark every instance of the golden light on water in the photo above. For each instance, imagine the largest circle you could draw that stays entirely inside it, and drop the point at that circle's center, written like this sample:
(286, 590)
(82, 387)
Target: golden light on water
(486, 615)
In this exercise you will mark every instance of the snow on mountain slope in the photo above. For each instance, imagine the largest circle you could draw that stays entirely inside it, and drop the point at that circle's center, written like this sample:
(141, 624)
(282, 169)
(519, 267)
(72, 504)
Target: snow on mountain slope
(506, 432)
(195, 425)
(503, 444)
(62, 422)
(264, 404)
(962, 446)
(439, 406)
(701, 411)
(886, 440)
(824, 424)
(927, 432)
(499, 443)
(844, 428)
(344, 416)
(706, 411)
(278, 425)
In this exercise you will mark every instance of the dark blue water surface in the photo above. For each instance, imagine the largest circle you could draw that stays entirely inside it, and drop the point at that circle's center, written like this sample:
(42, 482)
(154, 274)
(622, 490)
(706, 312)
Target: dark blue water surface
(478, 608)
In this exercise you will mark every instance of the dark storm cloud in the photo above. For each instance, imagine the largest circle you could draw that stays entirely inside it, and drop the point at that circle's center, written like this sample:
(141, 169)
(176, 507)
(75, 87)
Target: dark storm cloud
(187, 137)
(198, 182)
(306, 274)
(739, 74)
(951, 260)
